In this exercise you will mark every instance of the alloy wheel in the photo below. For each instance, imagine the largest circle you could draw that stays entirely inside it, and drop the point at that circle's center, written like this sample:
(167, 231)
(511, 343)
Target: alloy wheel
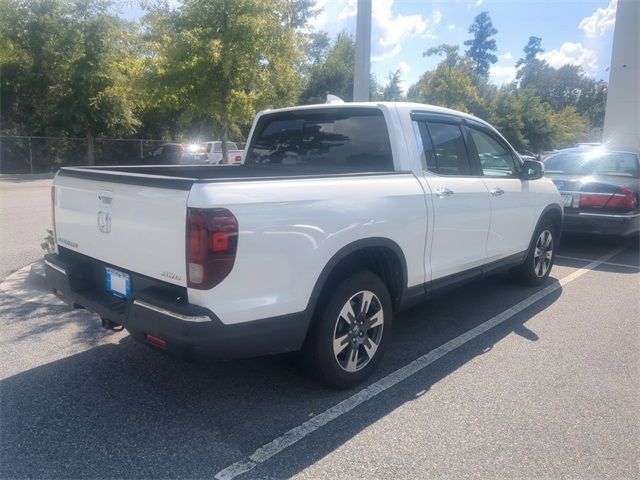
(543, 253)
(358, 331)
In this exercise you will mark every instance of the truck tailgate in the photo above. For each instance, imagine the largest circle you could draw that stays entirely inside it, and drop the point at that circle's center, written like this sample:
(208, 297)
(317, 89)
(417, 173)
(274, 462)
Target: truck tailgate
(135, 227)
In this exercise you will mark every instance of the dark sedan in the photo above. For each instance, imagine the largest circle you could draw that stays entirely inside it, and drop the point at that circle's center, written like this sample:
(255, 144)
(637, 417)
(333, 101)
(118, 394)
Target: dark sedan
(600, 190)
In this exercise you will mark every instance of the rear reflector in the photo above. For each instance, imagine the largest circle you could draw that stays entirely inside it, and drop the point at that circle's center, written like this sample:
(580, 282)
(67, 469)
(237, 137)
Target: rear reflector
(212, 240)
(158, 342)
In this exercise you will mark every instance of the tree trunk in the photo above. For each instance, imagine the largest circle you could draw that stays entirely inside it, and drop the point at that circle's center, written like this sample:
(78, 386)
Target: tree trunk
(223, 138)
(91, 159)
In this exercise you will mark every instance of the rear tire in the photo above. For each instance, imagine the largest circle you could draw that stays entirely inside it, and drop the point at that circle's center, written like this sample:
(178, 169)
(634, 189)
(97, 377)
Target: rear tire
(537, 266)
(351, 331)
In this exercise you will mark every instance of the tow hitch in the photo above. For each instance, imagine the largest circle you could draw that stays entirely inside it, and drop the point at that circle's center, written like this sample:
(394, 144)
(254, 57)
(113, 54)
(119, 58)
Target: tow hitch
(111, 325)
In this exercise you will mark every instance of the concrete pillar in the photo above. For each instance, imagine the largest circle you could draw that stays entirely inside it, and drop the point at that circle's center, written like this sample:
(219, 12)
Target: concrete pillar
(622, 114)
(363, 52)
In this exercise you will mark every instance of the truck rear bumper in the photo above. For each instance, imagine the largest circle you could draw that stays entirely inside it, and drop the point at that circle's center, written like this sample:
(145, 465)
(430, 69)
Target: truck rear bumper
(157, 315)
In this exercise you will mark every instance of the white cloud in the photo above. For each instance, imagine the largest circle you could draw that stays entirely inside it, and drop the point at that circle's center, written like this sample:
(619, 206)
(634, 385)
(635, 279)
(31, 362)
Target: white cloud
(387, 55)
(478, 3)
(502, 74)
(404, 67)
(600, 21)
(504, 71)
(573, 54)
(349, 10)
(389, 30)
(452, 26)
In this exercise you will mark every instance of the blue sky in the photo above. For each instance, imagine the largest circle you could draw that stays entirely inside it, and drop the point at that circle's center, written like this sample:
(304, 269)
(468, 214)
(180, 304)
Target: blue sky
(572, 31)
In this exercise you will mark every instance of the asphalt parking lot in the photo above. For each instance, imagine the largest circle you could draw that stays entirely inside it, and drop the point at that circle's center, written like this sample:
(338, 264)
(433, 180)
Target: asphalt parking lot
(493, 380)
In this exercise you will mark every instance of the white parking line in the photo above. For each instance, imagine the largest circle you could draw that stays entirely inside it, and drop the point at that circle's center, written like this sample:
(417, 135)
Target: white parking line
(587, 260)
(296, 434)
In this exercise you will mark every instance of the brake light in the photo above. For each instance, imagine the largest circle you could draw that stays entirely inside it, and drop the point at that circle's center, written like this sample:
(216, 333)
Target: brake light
(623, 199)
(212, 240)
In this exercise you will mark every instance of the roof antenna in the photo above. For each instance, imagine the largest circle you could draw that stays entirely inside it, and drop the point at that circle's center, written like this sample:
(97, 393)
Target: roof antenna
(332, 99)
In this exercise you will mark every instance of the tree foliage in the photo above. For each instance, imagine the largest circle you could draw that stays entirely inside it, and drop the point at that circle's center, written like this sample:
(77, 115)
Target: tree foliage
(228, 58)
(334, 74)
(393, 92)
(450, 84)
(531, 51)
(482, 47)
(200, 69)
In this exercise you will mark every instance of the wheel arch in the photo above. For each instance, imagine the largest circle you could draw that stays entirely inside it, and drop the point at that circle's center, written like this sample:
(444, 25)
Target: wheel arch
(380, 255)
(555, 214)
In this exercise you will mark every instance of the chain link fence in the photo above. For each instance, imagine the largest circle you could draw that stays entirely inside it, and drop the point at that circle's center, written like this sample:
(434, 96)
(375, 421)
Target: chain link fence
(21, 154)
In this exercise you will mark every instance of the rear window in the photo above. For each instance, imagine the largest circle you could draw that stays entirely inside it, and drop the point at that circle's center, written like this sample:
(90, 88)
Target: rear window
(449, 156)
(593, 162)
(218, 146)
(332, 140)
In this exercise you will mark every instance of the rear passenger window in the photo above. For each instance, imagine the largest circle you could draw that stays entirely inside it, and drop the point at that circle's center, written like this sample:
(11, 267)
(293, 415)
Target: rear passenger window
(332, 140)
(448, 153)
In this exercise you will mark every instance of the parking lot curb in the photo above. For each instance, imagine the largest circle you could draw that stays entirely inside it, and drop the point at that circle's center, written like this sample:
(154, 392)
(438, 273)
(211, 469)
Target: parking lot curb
(28, 285)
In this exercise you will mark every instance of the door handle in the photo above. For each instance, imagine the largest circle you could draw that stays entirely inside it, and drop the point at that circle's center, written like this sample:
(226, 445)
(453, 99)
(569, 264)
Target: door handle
(444, 192)
(496, 192)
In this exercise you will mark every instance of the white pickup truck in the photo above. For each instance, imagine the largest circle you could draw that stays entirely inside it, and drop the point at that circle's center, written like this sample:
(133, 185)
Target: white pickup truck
(341, 216)
(211, 152)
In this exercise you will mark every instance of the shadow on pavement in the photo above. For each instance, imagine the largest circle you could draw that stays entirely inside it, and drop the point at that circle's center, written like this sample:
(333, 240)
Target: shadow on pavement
(58, 317)
(124, 410)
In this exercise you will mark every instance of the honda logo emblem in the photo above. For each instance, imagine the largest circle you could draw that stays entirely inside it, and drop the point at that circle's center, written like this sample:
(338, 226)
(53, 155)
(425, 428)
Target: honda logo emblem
(104, 222)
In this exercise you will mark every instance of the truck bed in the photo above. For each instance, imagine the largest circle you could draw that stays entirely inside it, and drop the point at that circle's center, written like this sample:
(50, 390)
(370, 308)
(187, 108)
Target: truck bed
(182, 177)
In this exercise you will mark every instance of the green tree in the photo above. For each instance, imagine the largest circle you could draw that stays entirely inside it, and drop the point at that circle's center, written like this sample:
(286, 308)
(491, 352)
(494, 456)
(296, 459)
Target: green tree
(531, 51)
(569, 127)
(36, 41)
(450, 84)
(563, 87)
(230, 58)
(316, 47)
(98, 96)
(296, 13)
(67, 69)
(334, 75)
(508, 116)
(392, 91)
(482, 46)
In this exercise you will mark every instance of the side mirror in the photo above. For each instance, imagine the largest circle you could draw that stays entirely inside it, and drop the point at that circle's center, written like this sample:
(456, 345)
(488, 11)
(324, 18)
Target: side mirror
(532, 170)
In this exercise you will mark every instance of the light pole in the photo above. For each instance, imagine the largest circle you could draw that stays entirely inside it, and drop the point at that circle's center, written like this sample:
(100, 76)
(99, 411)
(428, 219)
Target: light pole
(363, 52)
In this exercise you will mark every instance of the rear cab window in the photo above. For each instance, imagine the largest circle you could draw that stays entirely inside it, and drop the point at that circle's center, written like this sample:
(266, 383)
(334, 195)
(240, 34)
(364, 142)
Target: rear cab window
(331, 140)
(444, 148)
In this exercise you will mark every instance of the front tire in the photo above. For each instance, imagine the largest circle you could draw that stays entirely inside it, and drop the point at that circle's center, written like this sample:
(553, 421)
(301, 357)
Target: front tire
(351, 332)
(537, 266)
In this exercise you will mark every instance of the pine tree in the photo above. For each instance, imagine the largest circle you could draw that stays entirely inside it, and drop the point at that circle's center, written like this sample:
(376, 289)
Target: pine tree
(481, 46)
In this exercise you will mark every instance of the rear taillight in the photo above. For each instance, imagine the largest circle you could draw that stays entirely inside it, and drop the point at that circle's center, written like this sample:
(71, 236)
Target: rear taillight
(623, 199)
(212, 241)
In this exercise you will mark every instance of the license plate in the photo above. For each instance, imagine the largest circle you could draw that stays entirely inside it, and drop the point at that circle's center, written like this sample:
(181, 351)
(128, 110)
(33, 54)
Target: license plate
(567, 200)
(118, 283)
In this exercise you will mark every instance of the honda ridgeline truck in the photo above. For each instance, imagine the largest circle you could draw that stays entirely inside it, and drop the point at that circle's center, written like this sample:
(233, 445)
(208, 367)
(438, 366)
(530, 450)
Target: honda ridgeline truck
(341, 216)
